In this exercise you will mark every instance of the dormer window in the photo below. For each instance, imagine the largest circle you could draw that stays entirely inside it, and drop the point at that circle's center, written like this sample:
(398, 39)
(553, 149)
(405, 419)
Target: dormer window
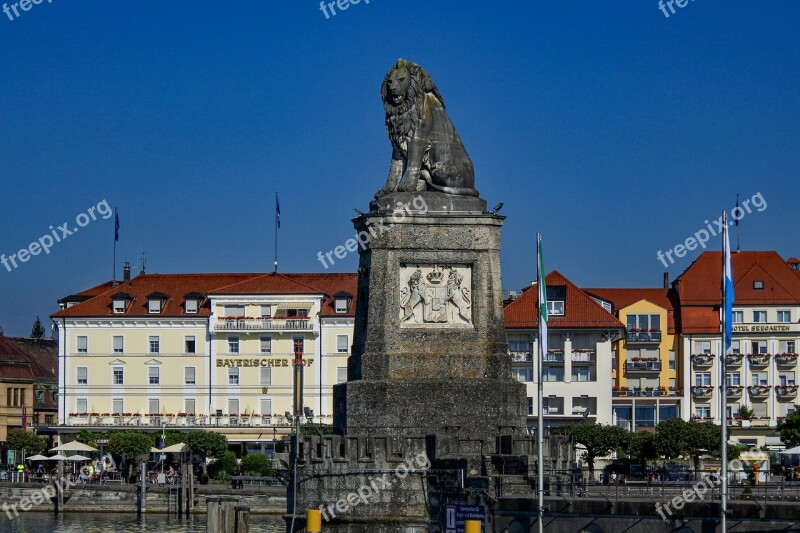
(758, 285)
(556, 296)
(120, 303)
(155, 302)
(192, 303)
(555, 308)
(341, 302)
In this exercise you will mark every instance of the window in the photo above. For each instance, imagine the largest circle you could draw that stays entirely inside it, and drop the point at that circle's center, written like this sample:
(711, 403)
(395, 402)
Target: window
(584, 405)
(189, 377)
(233, 375)
(759, 409)
(48, 419)
(759, 316)
(341, 305)
(153, 406)
(118, 344)
(735, 347)
(643, 323)
(758, 347)
(189, 344)
(297, 313)
(117, 406)
(81, 405)
(784, 317)
(786, 379)
(153, 375)
(118, 375)
(266, 311)
(759, 378)
(154, 344)
(738, 317)
(234, 311)
(266, 407)
(550, 374)
(82, 375)
(553, 406)
(672, 360)
(266, 344)
(581, 373)
(702, 347)
(522, 374)
(341, 374)
(83, 344)
(233, 344)
(758, 285)
(520, 343)
(702, 379)
(266, 376)
(702, 411)
(191, 306)
(119, 305)
(787, 346)
(734, 379)
(530, 405)
(154, 305)
(188, 406)
(233, 407)
(341, 344)
(555, 308)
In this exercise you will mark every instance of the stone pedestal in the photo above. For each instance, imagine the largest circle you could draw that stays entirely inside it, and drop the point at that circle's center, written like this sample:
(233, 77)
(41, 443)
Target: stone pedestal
(429, 349)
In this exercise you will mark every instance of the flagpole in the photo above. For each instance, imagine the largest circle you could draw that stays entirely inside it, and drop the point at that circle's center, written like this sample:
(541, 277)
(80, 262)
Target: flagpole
(116, 229)
(277, 221)
(540, 390)
(724, 365)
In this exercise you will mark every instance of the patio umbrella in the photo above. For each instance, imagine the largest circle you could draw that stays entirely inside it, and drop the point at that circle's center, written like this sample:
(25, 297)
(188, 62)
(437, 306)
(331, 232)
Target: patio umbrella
(74, 446)
(175, 448)
(37, 457)
(58, 457)
(791, 451)
(78, 458)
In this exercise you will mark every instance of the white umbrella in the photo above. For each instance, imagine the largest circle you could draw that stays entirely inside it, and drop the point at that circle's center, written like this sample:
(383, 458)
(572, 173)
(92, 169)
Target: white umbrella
(78, 458)
(74, 446)
(792, 451)
(175, 448)
(37, 457)
(58, 457)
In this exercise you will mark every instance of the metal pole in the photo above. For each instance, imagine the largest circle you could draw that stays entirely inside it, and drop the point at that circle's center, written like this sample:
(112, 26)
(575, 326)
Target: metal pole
(298, 412)
(724, 389)
(540, 400)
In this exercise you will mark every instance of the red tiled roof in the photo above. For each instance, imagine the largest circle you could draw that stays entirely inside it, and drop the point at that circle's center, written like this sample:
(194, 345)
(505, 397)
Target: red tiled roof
(35, 359)
(176, 286)
(700, 284)
(580, 310)
(700, 319)
(623, 297)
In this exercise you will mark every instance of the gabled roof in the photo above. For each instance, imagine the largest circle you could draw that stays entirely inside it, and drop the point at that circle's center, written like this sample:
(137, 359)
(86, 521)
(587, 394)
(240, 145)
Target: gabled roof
(621, 298)
(581, 311)
(700, 284)
(30, 359)
(140, 288)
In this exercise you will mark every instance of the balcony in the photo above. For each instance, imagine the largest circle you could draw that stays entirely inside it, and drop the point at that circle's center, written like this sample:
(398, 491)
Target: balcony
(705, 359)
(786, 359)
(264, 324)
(786, 391)
(702, 391)
(759, 391)
(554, 357)
(649, 336)
(735, 391)
(734, 360)
(643, 366)
(587, 357)
(759, 359)
(521, 357)
(181, 420)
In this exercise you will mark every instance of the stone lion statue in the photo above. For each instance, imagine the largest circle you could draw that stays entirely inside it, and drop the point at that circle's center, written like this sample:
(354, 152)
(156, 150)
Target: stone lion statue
(427, 153)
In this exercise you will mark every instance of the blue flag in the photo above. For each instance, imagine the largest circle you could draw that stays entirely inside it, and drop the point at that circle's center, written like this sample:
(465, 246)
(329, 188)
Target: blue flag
(116, 225)
(728, 287)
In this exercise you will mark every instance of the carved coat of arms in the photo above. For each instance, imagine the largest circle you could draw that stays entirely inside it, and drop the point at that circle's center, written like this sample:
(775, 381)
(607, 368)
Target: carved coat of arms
(435, 296)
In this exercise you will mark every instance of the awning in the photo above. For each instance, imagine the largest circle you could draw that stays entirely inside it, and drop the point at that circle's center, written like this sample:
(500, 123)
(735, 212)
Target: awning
(292, 305)
(256, 437)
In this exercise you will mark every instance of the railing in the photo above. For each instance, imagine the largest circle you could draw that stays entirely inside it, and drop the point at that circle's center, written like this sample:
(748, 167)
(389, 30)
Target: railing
(584, 357)
(644, 336)
(786, 359)
(759, 390)
(554, 357)
(643, 366)
(702, 391)
(761, 359)
(735, 391)
(636, 392)
(734, 359)
(521, 357)
(263, 324)
(786, 390)
(173, 421)
(703, 359)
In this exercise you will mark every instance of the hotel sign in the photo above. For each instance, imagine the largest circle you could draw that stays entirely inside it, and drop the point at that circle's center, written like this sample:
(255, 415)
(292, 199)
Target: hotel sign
(251, 363)
(767, 328)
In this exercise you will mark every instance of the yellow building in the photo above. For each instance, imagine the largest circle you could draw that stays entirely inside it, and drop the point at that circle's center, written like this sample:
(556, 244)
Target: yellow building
(646, 372)
(203, 350)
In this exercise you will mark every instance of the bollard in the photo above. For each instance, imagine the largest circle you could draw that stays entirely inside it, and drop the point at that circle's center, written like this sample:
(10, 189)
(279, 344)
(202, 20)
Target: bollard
(313, 521)
(221, 514)
(242, 522)
(472, 526)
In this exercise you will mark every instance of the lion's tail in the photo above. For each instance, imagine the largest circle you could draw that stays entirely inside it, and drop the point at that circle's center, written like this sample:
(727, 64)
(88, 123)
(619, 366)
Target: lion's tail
(461, 191)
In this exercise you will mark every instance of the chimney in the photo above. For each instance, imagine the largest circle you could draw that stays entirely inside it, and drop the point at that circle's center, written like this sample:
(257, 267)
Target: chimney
(126, 272)
(666, 280)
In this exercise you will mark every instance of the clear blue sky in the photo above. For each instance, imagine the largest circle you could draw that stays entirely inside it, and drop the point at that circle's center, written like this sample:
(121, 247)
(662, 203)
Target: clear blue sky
(606, 126)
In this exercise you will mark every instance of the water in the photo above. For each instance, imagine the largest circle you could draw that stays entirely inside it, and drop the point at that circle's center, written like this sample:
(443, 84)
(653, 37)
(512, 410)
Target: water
(123, 523)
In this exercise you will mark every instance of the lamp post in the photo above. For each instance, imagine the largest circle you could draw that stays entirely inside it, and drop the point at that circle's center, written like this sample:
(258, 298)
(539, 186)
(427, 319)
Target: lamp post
(297, 415)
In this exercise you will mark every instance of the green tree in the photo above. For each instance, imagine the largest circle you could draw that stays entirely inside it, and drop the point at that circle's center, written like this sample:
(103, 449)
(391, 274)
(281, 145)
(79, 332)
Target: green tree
(257, 464)
(746, 413)
(703, 438)
(671, 437)
(26, 441)
(207, 445)
(789, 429)
(224, 467)
(599, 440)
(130, 445)
(642, 446)
(37, 331)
